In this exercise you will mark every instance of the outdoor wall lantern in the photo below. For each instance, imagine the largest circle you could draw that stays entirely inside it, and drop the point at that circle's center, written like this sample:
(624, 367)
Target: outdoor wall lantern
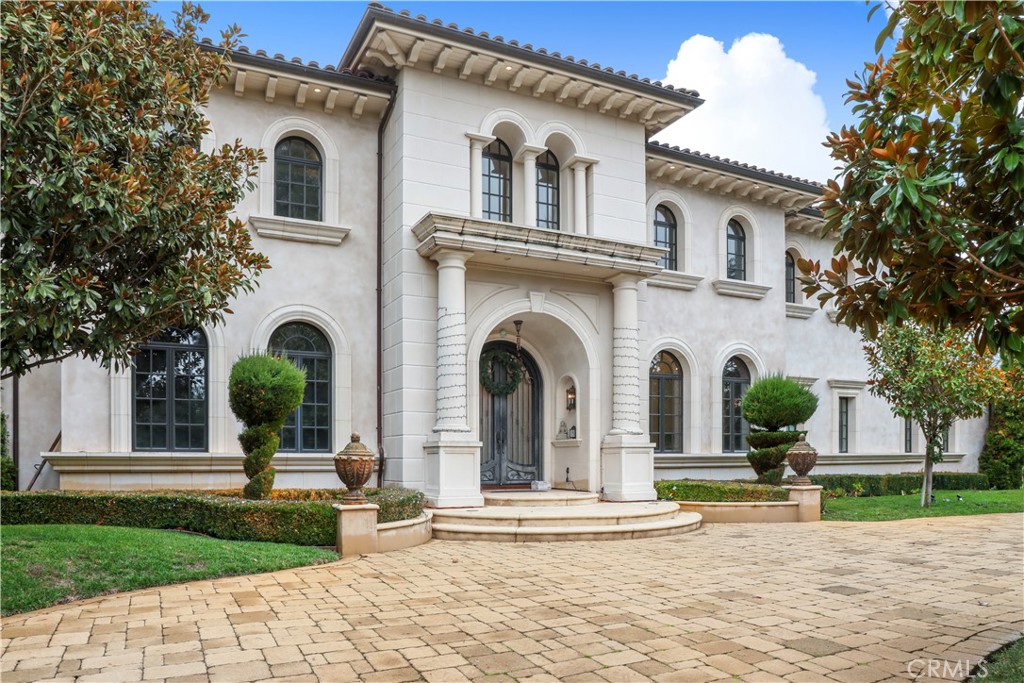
(572, 432)
(570, 397)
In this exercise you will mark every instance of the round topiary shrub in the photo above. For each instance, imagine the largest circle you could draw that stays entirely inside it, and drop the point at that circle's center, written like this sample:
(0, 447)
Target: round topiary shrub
(769, 405)
(263, 391)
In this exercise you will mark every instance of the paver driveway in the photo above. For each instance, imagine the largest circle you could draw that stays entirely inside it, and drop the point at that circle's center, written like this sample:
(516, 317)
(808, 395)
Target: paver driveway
(800, 602)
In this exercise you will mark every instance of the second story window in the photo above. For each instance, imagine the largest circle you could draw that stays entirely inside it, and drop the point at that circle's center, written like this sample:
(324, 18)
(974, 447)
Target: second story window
(497, 182)
(297, 180)
(548, 196)
(790, 279)
(665, 233)
(735, 251)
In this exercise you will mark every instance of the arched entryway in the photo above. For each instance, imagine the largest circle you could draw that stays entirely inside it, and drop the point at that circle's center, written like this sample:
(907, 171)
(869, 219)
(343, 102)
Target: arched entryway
(511, 424)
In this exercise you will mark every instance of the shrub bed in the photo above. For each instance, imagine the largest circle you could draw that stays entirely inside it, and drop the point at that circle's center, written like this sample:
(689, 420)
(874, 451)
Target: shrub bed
(896, 484)
(718, 491)
(231, 517)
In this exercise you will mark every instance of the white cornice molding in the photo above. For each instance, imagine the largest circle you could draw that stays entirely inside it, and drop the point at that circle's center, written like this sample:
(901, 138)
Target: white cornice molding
(740, 288)
(847, 384)
(297, 230)
(803, 381)
(672, 279)
(800, 311)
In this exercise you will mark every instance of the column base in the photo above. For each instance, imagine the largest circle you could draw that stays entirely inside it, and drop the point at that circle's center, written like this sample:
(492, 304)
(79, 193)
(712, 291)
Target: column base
(452, 471)
(627, 466)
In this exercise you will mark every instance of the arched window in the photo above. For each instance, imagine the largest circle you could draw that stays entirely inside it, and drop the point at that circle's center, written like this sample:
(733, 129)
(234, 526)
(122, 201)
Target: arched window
(497, 185)
(735, 251)
(666, 405)
(169, 379)
(308, 429)
(665, 232)
(790, 279)
(548, 195)
(735, 382)
(297, 180)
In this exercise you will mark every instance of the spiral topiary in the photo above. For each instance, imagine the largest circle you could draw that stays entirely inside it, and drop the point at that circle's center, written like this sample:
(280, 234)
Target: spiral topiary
(770, 404)
(263, 391)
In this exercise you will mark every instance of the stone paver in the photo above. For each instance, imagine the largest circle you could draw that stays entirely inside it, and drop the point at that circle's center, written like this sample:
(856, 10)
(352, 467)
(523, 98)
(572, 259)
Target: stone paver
(833, 602)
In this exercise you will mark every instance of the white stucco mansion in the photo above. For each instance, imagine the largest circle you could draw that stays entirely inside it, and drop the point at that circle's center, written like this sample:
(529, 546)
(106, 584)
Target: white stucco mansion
(443, 195)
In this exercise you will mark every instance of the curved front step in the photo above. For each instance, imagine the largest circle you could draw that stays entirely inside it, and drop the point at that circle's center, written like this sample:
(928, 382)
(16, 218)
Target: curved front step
(683, 522)
(596, 515)
(555, 497)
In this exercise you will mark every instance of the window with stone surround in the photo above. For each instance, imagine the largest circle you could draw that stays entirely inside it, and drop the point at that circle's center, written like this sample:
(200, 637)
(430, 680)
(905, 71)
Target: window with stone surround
(548, 191)
(735, 382)
(735, 251)
(666, 235)
(298, 171)
(169, 380)
(308, 429)
(666, 403)
(497, 182)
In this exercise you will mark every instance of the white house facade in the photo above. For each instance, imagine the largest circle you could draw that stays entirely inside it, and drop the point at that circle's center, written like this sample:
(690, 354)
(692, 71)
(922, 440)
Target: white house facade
(444, 196)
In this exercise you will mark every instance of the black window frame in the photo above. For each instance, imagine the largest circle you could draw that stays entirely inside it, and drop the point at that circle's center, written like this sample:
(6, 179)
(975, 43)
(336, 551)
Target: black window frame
(657, 395)
(908, 435)
(666, 235)
(549, 181)
(734, 387)
(845, 403)
(497, 167)
(303, 359)
(286, 168)
(735, 251)
(171, 349)
(790, 278)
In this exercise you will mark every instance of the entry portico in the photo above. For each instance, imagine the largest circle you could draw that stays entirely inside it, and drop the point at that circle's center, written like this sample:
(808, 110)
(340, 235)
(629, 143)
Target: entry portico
(572, 335)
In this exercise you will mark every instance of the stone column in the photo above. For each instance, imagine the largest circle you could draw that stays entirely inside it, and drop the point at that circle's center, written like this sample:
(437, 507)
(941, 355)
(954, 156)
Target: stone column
(529, 155)
(625, 356)
(627, 454)
(452, 408)
(476, 165)
(579, 193)
(451, 456)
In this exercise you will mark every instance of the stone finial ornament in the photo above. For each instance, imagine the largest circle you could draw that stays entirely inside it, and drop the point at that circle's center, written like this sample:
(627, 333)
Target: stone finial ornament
(802, 458)
(354, 465)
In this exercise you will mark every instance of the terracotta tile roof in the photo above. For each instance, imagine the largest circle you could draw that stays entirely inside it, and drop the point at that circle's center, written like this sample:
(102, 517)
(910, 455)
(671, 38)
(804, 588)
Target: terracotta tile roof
(579, 66)
(726, 164)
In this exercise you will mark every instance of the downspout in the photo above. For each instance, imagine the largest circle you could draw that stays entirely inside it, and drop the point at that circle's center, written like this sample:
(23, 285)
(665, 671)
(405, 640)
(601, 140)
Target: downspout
(15, 430)
(380, 286)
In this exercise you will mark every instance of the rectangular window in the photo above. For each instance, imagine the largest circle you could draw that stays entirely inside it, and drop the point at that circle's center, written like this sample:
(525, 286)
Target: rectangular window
(844, 424)
(945, 441)
(908, 435)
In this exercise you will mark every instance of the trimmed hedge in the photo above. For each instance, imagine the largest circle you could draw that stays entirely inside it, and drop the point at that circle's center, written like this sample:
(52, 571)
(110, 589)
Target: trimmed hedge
(231, 517)
(717, 491)
(895, 484)
(1002, 458)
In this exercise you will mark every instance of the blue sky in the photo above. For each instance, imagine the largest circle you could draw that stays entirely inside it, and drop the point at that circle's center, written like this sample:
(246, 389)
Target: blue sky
(830, 39)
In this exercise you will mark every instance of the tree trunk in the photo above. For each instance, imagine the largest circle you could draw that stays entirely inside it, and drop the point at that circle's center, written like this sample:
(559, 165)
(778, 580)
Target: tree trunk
(926, 485)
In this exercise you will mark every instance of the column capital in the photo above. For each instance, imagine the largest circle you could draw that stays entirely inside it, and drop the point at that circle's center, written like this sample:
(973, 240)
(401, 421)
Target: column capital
(479, 140)
(626, 281)
(447, 258)
(580, 161)
(530, 152)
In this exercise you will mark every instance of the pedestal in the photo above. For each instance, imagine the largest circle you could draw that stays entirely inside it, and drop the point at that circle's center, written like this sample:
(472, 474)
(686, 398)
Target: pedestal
(357, 529)
(627, 466)
(452, 476)
(809, 498)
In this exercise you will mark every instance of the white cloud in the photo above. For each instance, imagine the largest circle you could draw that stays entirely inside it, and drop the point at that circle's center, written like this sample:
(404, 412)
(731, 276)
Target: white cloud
(760, 106)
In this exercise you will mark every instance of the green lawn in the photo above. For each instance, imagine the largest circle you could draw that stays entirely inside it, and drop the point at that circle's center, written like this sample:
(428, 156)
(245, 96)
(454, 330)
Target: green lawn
(881, 508)
(1006, 666)
(43, 565)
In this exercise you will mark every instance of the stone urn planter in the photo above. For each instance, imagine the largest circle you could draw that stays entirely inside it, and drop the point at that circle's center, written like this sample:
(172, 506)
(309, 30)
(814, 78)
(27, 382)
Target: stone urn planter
(802, 458)
(354, 465)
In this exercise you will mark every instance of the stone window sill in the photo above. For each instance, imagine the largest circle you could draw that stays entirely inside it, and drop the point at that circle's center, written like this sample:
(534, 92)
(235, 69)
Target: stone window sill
(674, 279)
(297, 230)
(567, 443)
(740, 288)
(799, 311)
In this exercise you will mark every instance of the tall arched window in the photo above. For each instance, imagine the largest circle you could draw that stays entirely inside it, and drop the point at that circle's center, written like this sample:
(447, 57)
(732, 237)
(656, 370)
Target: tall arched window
(790, 279)
(308, 429)
(169, 377)
(297, 180)
(735, 251)
(665, 236)
(497, 182)
(548, 194)
(666, 404)
(735, 382)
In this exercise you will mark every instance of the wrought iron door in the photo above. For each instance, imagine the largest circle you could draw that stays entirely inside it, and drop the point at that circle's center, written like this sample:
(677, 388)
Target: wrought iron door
(510, 426)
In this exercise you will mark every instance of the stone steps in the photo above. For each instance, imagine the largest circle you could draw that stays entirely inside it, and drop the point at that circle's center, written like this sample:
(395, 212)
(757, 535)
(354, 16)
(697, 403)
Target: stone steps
(576, 522)
(553, 498)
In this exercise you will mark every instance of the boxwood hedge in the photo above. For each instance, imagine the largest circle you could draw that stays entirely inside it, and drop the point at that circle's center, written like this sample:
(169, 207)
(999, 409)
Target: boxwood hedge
(896, 484)
(718, 491)
(231, 517)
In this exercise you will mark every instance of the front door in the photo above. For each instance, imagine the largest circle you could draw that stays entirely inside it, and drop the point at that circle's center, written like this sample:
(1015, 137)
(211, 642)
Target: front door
(510, 423)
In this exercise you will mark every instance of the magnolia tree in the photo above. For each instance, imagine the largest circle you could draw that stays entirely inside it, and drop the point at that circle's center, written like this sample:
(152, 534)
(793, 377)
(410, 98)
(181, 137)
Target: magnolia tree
(928, 208)
(933, 379)
(115, 220)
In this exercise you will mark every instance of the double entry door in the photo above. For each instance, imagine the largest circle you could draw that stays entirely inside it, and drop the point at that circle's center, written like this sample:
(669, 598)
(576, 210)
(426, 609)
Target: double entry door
(510, 424)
